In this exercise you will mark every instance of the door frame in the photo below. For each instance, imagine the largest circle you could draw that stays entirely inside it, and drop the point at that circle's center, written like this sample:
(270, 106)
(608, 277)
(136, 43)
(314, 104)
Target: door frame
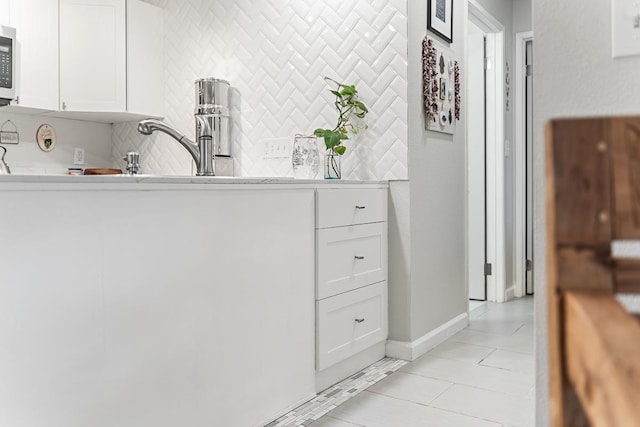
(469, 180)
(495, 127)
(520, 138)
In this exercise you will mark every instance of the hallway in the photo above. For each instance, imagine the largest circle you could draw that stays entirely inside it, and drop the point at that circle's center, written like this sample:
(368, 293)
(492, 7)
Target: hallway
(482, 376)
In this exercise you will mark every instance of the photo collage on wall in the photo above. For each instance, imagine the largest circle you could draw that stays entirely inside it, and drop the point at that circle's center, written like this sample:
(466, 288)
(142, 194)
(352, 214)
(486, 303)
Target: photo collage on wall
(441, 87)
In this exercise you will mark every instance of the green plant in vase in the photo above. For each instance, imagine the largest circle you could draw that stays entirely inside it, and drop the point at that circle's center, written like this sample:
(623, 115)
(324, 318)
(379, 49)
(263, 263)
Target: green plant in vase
(348, 105)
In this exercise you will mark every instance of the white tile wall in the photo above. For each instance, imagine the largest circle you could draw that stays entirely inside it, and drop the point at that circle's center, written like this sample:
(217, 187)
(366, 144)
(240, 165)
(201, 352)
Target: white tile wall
(27, 158)
(275, 54)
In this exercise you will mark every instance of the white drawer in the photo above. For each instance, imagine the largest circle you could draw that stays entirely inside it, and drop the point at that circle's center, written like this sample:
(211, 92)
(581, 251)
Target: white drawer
(346, 207)
(350, 257)
(349, 323)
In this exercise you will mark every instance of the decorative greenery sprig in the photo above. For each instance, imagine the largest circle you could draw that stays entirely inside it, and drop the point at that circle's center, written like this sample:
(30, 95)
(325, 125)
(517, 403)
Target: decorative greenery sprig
(347, 104)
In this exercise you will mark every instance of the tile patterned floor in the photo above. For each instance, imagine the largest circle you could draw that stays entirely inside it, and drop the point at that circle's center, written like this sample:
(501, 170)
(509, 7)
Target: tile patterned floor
(482, 376)
(329, 399)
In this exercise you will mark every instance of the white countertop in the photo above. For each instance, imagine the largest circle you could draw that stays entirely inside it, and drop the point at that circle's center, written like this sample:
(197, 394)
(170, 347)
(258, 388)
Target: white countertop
(9, 182)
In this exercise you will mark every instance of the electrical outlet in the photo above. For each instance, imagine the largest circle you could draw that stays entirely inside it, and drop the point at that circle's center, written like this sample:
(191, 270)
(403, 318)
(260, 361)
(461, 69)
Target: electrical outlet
(78, 156)
(276, 148)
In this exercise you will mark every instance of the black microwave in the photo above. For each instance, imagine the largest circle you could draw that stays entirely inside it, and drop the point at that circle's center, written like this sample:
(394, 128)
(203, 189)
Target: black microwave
(7, 64)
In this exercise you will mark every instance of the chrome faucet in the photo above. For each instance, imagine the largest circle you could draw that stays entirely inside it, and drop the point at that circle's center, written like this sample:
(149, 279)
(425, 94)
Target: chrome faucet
(212, 125)
(201, 151)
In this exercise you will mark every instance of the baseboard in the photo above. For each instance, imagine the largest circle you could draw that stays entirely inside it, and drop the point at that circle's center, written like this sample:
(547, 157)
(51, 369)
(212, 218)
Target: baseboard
(510, 293)
(412, 350)
(478, 308)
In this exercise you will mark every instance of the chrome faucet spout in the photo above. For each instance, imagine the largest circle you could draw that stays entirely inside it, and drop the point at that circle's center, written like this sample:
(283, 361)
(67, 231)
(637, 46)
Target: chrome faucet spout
(197, 150)
(205, 144)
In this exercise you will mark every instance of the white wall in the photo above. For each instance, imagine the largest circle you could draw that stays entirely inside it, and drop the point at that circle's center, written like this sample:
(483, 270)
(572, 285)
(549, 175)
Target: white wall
(400, 261)
(522, 16)
(437, 192)
(435, 210)
(574, 76)
(26, 157)
(275, 54)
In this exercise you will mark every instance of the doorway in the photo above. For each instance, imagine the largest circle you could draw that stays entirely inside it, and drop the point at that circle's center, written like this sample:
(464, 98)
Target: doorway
(477, 163)
(523, 138)
(485, 56)
(529, 166)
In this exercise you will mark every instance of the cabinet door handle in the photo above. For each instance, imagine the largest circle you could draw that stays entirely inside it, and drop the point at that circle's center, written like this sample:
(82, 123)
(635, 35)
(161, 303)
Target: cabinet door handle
(360, 320)
(359, 257)
(360, 207)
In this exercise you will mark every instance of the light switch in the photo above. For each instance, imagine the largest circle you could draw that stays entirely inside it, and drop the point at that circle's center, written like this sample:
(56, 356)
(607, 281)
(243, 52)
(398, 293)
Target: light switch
(276, 148)
(625, 28)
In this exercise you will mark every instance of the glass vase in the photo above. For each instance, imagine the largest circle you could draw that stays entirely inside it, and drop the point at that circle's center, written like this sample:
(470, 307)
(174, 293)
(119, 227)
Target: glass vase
(305, 157)
(332, 167)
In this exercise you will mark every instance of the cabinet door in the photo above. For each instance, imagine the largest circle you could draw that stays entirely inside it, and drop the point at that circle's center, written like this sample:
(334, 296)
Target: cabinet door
(350, 257)
(349, 323)
(145, 59)
(4, 12)
(337, 208)
(92, 55)
(36, 23)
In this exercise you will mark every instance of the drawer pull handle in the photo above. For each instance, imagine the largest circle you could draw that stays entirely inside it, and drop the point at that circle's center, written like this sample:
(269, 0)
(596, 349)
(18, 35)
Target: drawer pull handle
(360, 320)
(359, 257)
(360, 207)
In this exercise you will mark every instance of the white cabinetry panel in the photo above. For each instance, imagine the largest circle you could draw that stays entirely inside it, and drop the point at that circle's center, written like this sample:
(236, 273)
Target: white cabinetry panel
(145, 59)
(351, 257)
(351, 322)
(161, 308)
(4, 12)
(92, 55)
(36, 23)
(351, 274)
(347, 207)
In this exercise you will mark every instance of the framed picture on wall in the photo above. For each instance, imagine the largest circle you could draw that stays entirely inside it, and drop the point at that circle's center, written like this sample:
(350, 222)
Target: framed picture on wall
(440, 18)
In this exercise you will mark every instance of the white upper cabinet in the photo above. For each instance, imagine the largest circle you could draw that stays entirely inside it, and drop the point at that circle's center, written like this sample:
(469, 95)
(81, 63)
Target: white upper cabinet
(36, 23)
(111, 59)
(93, 52)
(145, 59)
(4, 12)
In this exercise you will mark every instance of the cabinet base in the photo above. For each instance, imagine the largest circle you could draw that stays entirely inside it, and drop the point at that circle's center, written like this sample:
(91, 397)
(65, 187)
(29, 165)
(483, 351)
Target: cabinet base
(355, 363)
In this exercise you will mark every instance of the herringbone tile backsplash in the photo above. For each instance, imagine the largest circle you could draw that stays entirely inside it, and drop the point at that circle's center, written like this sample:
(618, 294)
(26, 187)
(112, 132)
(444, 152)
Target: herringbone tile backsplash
(275, 53)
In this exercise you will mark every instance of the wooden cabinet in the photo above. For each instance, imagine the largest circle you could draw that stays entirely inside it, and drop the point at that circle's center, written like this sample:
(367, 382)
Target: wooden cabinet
(36, 23)
(111, 59)
(351, 274)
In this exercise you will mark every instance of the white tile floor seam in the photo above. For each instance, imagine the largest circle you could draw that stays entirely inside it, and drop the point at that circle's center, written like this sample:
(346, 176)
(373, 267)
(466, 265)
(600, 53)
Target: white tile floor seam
(482, 376)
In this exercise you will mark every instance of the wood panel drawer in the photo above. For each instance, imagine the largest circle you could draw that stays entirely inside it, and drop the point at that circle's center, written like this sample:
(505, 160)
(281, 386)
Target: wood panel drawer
(350, 257)
(347, 207)
(349, 323)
